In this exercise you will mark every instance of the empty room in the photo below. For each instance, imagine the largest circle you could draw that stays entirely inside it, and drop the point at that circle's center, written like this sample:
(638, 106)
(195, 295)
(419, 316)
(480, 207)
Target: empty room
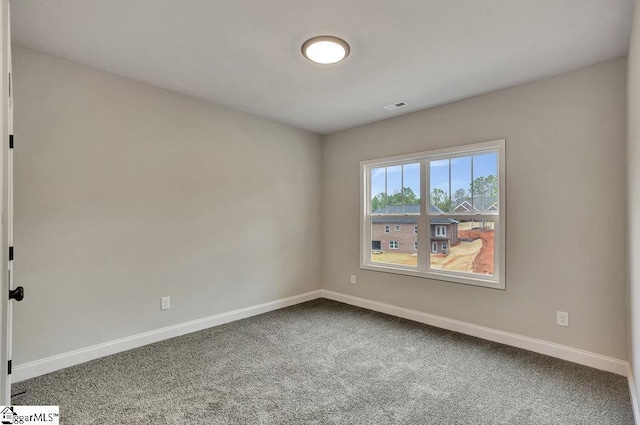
(320, 212)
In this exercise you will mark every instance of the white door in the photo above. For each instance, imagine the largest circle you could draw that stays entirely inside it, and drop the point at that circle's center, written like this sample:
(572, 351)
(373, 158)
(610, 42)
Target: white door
(6, 201)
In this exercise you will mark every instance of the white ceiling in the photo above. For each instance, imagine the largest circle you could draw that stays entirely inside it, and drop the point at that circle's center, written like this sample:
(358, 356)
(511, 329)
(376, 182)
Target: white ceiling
(246, 53)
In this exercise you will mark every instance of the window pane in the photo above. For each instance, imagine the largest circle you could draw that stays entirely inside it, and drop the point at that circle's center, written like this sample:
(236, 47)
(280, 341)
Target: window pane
(378, 190)
(439, 190)
(394, 189)
(485, 182)
(462, 245)
(411, 184)
(461, 184)
(395, 247)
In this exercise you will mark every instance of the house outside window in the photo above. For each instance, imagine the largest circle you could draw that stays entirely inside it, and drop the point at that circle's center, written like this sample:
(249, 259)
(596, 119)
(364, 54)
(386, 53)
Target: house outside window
(445, 204)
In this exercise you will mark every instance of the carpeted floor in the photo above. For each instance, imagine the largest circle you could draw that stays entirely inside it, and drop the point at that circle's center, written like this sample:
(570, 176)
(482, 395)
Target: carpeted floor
(324, 362)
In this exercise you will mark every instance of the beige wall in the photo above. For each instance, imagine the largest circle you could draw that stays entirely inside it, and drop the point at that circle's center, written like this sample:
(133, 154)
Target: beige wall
(125, 193)
(633, 190)
(565, 155)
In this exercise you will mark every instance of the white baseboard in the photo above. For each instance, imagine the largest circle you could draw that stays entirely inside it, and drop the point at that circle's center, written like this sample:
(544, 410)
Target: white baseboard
(64, 360)
(634, 394)
(61, 361)
(563, 352)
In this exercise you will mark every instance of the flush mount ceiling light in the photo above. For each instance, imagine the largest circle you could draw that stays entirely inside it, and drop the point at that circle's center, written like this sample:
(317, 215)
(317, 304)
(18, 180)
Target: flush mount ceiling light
(325, 49)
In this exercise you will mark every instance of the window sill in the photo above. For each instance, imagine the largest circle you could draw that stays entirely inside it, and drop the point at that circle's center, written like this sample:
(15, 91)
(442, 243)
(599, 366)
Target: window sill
(412, 271)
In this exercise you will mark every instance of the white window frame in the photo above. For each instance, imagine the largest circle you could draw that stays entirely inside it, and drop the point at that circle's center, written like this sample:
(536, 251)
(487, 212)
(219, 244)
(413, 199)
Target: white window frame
(387, 229)
(415, 246)
(434, 247)
(397, 227)
(444, 245)
(415, 230)
(395, 244)
(443, 233)
(497, 280)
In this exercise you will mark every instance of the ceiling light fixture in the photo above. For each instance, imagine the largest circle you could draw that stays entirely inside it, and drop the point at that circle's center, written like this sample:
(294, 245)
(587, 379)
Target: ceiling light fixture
(325, 49)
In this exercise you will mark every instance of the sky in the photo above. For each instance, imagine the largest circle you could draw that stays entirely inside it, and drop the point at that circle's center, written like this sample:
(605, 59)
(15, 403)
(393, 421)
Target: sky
(461, 170)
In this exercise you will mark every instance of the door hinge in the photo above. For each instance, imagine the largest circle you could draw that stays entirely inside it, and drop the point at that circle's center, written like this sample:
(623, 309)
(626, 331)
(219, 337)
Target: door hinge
(10, 253)
(9, 368)
(11, 141)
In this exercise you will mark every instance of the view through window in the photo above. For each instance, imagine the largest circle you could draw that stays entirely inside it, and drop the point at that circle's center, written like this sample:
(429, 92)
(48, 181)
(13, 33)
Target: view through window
(446, 209)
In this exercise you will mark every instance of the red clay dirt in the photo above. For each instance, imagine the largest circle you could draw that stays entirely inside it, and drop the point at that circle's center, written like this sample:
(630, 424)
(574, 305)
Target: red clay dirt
(483, 262)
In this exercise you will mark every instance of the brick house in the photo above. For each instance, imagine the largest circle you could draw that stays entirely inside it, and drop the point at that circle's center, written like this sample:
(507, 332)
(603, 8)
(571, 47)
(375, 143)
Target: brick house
(400, 234)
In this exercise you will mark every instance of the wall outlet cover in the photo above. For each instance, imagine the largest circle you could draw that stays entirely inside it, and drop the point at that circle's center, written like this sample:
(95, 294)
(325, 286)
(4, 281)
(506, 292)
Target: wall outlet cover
(165, 303)
(562, 318)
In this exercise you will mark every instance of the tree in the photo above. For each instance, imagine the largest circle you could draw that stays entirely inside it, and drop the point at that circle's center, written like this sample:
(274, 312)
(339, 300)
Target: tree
(405, 197)
(410, 198)
(459, 197)
(440, 199)
(485, 193)
(379, 201)
(485, 186)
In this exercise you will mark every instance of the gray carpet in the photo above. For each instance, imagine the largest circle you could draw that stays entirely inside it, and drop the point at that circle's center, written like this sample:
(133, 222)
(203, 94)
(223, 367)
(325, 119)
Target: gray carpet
(324, 362)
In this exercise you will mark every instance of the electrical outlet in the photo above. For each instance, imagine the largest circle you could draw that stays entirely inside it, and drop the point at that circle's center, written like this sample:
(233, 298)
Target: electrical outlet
(353, 279)
(563, 318)
(165, 303)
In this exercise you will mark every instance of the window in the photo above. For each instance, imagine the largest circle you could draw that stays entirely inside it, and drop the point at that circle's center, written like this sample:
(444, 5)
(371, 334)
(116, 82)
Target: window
(453, 198)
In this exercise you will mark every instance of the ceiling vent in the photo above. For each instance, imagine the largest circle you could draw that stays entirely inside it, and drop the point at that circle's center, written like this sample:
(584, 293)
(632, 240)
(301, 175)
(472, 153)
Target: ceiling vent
(394, 106)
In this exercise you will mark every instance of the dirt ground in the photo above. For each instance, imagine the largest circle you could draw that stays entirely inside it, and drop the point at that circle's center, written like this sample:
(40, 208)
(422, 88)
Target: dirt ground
(395, 258)
(470, 257)
(468, 225)
(483, 262)
(460, 258)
